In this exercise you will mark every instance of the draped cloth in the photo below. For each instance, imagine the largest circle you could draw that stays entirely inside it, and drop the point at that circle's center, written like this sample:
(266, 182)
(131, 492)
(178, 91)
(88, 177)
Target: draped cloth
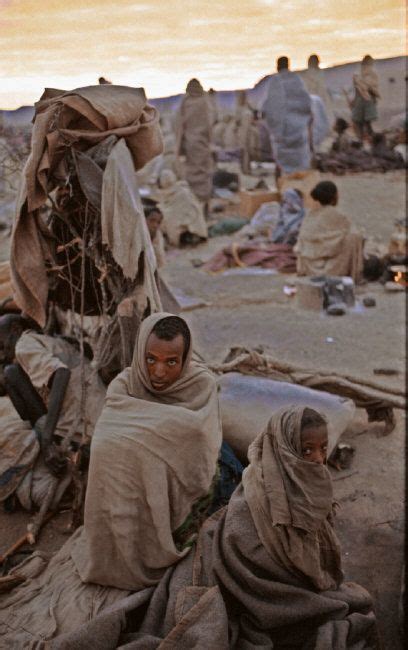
(194, 136)
(291, 500)
(153, 454)
(79, 118)
(327, 246)
(288, 114)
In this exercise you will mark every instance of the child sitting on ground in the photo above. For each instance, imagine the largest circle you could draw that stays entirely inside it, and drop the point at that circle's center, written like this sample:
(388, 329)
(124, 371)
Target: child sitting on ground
(154, 219)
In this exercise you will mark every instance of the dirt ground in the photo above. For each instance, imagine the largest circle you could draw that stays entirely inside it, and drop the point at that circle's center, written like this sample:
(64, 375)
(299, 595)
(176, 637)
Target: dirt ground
(236, 309)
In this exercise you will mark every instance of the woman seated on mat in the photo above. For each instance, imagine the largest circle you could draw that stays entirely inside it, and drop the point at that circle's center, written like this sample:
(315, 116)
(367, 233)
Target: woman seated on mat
(326, 244)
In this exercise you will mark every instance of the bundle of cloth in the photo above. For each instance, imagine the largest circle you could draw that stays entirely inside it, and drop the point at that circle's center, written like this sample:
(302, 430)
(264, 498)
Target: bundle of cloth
(119, 120)
(265, 571)
(353, 158)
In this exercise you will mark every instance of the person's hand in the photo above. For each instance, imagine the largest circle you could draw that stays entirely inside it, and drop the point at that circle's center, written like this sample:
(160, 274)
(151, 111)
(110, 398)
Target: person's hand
(52, 454)
(54, 459)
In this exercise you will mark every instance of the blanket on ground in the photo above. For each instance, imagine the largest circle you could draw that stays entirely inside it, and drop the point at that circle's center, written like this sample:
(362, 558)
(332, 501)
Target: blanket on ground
(264, 253)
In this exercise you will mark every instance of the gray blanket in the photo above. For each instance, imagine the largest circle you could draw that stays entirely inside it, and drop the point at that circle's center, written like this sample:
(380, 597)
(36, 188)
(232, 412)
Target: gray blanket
(288, 113)
(229, 593)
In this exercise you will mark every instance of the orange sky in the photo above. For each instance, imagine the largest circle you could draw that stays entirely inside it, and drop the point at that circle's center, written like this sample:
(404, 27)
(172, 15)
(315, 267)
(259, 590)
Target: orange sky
(161, 44)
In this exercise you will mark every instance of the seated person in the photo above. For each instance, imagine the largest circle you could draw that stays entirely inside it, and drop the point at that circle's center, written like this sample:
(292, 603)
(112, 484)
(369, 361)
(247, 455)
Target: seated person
(42, 377)
(343, 140)
(154, 219)
(153, 454)
(326, 244)
(266, 570)
(183, 214)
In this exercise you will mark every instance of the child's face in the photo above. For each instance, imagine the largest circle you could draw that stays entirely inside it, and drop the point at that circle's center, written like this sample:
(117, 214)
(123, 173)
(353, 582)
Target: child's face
(153, 223)
(314, 444)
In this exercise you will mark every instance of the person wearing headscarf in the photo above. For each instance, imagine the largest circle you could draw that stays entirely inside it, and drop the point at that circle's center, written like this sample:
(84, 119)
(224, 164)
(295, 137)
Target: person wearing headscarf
(367, 93)
(194, 136)
(154, 453)
(288, 114)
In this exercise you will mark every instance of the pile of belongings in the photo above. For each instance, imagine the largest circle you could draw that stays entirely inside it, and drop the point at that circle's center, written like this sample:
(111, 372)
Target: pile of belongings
(80, 240)
(353, 158)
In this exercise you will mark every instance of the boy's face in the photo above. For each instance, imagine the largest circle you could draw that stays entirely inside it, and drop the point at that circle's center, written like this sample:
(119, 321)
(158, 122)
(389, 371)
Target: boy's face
(164, 360)
(314, 444)
(153, 223)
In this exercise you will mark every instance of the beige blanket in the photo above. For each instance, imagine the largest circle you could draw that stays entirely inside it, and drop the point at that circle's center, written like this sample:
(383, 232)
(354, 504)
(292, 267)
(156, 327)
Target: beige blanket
(80, 118)
(153, 455)
(327, 246)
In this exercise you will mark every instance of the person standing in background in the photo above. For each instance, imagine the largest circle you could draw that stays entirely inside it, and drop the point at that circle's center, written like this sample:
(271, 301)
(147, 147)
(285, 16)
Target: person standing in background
(364, 104)
(288, 114)
(315, 85)
(194, 136)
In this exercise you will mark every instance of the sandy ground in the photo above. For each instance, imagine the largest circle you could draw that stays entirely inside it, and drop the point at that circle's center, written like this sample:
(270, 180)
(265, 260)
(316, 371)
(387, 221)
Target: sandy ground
(250, 311)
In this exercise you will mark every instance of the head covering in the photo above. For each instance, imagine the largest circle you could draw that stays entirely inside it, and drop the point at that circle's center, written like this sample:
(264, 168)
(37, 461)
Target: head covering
(153, 455)
(139, 375)
(291, 501)
(194, 87)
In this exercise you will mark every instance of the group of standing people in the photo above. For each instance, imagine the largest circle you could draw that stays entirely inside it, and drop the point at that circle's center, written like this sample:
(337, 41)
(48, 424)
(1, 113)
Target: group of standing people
(298, 111)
